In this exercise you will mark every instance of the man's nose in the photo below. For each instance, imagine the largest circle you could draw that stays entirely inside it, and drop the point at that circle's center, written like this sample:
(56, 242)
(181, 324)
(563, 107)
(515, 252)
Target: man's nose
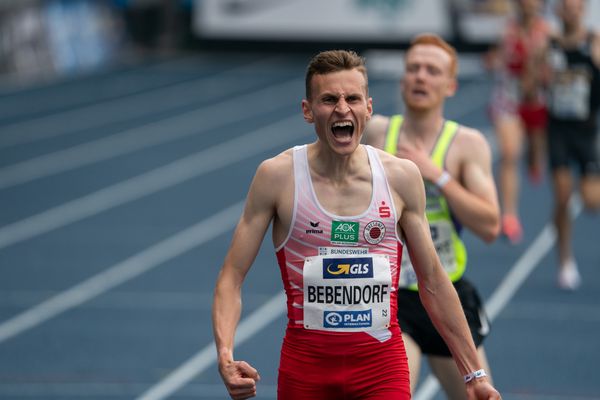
(342, 105)
(421, 73)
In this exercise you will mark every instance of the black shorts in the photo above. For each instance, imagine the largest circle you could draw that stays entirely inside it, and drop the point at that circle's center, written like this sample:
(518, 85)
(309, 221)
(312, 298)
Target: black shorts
(415, 321)
(573, 143)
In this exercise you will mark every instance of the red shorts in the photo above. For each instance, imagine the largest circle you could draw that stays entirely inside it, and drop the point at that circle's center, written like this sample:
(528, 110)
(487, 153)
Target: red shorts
(354, 366)
(534, 116)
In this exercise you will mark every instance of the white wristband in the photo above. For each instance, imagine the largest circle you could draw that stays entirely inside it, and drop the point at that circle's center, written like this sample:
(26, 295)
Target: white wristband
(443, 179)
(480, 373)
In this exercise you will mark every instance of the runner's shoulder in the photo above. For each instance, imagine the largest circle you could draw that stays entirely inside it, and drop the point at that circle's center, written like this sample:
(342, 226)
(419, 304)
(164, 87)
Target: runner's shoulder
(400, 171)
(277, 168)
(470, 139)
(376, 130)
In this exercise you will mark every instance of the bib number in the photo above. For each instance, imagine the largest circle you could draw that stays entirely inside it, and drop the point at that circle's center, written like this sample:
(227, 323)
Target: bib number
(441, 234)
(347, 294)
(571, 95)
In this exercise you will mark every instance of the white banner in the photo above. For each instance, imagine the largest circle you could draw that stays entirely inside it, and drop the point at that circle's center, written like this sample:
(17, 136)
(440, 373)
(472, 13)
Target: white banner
(320, 20)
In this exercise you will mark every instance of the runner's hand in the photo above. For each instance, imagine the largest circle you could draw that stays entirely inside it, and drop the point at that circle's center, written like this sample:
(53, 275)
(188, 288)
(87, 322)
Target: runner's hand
(482, 389)
(421, 158)
(240, 379)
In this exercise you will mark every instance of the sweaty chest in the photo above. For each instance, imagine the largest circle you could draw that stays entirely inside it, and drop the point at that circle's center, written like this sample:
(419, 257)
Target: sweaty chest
(350, 198)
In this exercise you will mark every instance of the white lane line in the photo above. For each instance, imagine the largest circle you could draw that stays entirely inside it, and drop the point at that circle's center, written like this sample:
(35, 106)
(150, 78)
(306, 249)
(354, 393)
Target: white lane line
(122, 300)
(206, 357)
(510, 284)
(210, 159)
(95, 388)
(128, 107)
(262, 139)
(527, 263)
(195, 122)
(124, 271)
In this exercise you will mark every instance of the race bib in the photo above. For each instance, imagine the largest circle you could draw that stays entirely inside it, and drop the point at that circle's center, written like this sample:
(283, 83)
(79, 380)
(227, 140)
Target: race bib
(347, 294)
(408, 277)
(571, 95)
(508, 88)
(441, 234)
(512, 90)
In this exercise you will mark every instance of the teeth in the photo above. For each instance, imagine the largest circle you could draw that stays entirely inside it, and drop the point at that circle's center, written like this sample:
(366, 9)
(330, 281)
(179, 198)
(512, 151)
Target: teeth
(341, 124)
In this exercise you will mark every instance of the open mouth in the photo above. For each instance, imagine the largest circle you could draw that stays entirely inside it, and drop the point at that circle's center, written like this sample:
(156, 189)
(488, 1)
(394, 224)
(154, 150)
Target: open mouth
(419, 92)
(343, 130)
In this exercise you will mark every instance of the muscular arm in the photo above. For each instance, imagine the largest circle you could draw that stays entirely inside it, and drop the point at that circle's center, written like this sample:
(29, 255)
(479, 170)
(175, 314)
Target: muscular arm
(595, 50)
(239, 377)
(435, 289)
(474, 200)
(535, 75)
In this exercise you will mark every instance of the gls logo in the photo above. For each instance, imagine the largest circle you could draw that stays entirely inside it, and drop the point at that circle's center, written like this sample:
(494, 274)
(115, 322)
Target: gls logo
(338, 268)
(353, 269)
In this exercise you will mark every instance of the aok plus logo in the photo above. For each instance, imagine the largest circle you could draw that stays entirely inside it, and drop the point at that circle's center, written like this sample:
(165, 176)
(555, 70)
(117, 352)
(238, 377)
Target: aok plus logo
(338, 268)
(344, 232)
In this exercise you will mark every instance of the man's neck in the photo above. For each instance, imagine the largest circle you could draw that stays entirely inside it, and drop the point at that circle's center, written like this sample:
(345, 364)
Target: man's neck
(526, 21)
(573, 33)
(334, 167)
(423, 124)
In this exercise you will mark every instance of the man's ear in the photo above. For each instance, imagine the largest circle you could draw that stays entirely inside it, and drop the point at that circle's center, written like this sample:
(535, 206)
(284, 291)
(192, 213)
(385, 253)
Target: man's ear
(307, 112)
(452, 88)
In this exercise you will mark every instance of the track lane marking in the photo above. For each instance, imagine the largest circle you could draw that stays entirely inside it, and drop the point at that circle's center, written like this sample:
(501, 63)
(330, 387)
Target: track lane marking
(122, 272)
(508, 287)
(213, 116)
(192, 166)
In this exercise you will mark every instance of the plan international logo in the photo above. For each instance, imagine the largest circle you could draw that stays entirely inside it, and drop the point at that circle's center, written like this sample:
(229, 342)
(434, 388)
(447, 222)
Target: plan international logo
(344, 232)
(347, 319)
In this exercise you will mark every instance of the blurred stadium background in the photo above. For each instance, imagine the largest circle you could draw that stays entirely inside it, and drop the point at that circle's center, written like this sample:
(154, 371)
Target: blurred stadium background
(43, 39)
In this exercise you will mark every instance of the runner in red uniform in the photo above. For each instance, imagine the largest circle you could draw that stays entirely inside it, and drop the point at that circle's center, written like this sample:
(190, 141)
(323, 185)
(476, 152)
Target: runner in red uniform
(341, 212)
(517, 106)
